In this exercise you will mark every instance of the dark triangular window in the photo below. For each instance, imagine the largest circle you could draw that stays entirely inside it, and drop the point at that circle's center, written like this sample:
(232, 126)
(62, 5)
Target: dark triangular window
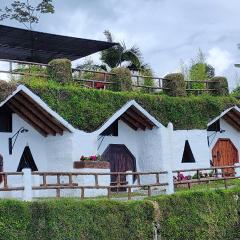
(187, 154)
(27, 161)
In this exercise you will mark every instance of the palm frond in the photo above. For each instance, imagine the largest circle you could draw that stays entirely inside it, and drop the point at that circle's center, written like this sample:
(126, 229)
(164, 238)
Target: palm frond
(108, 36)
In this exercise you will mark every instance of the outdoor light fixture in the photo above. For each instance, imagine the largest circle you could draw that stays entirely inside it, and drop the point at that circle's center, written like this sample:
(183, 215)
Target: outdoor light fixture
(13, 139)
(214, 134)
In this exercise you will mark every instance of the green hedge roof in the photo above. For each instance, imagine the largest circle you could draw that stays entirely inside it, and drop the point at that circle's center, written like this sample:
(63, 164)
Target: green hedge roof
(88, 109)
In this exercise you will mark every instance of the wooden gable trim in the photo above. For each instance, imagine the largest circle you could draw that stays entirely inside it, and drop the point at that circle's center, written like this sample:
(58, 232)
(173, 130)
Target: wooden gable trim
(46, 114)
(142, 116)
(25, 118)
(133, 122)
(129, 124)
(137, 118)
(38, 114)
(232, 122)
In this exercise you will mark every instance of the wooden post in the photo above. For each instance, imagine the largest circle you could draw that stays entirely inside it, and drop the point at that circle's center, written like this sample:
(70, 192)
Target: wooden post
(44, 180)
(149, 191)
(129, 193)
(82, 192)
(225, 183)
(157, 178)
(70, 179)
(96, 180)
(138, 179)
(105, 80)
(109, 192)
(58, 186)
(5, 180)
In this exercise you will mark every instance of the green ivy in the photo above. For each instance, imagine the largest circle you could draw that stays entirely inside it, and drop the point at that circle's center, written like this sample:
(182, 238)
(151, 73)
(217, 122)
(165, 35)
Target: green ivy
(88, 109)
(190, 215)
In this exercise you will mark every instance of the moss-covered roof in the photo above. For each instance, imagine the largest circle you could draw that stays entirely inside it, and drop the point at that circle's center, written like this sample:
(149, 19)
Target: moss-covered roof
(87, 109)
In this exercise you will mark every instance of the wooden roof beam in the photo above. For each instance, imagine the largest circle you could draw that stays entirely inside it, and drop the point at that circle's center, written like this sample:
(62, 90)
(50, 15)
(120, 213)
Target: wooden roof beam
(136, 123)
(32, 117)
(232, 122)
(38, 114)
(138, 118)
(129, 124)
(135, 110)
(49, 116)
(25, 118)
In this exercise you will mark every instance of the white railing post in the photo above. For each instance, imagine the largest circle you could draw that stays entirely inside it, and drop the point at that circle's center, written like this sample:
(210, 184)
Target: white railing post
(27, 184)
(129, 178)
(170, 186)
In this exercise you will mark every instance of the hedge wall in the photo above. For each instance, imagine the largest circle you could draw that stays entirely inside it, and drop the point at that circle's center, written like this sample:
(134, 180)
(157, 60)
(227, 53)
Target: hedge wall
(88, 109)
(189, 215)
(74, 219)
(199, 215)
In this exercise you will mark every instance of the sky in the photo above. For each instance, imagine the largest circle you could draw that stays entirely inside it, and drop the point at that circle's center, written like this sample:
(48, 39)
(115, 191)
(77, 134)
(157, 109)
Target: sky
(167, 31)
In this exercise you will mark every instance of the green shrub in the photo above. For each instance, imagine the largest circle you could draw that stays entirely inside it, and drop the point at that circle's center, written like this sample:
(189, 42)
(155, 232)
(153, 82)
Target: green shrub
(221, 86)
(121, 80)
(14, 220)
(93, 107)
(6, 89)
(176, 84)
(75, 219)
(199, 216)
(60, 70)
(188, 215)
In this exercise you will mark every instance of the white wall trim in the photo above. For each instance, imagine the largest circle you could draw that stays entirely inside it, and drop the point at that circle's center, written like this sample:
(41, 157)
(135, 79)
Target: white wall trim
(122, 110)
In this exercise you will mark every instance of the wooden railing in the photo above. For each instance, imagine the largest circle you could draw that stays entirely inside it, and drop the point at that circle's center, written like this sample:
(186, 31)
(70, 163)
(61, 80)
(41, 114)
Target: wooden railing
(206, 175)
(71, 184)
(97, 79)
(5, 177)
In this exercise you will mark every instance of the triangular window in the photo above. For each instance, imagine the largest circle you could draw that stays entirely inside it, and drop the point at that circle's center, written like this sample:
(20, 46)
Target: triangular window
(187, 154)
(27, 161)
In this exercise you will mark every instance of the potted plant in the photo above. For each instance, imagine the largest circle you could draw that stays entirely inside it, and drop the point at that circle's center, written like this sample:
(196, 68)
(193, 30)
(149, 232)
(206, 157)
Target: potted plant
(94, 161)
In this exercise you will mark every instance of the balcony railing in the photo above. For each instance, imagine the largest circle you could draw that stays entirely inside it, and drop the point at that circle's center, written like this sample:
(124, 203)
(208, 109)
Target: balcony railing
(96, 79)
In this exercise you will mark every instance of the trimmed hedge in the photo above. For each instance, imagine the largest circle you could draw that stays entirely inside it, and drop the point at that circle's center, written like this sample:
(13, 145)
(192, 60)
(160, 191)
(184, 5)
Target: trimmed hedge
(75, 219)
(188, 215)
(121, 80)
(199, 215)
(221, 86)
(60, 70)
(176, 84)
(88, 109)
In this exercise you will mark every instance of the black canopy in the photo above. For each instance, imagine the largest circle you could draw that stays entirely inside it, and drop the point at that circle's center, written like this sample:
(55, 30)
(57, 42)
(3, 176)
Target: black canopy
(24, 45)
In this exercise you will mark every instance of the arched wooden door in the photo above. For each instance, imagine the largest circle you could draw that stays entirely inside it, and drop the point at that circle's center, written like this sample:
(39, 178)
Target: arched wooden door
(1, 168)
(121, 160)
(225, 153)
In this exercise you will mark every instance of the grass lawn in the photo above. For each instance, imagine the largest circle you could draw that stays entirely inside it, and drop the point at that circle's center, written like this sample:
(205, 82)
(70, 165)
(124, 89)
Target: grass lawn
(209, 185)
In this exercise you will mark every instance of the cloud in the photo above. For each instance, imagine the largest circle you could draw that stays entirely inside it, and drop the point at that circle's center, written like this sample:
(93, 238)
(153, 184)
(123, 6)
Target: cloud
(220, 59)
(165, 30)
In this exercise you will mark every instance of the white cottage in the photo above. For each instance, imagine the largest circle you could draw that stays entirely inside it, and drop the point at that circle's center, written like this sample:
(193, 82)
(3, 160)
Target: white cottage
(223, 138)
(34, 136)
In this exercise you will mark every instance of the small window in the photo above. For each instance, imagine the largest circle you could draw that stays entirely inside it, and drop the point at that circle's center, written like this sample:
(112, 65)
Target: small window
(5, 120)
(215, 127)
(112, 130)
(27, 161)
(187, 154)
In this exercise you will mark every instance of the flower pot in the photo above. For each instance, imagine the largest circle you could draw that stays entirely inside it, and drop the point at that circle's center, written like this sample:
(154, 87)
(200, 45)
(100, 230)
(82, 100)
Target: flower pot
(91, 164)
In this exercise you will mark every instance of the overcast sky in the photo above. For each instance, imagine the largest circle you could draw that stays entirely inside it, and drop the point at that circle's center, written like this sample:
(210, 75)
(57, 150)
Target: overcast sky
(166, 31)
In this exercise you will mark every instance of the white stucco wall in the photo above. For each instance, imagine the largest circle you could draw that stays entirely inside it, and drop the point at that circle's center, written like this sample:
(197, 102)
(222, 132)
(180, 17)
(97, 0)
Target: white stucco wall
(126, 136)
(230, 133)
(32, 138)
(198, 142)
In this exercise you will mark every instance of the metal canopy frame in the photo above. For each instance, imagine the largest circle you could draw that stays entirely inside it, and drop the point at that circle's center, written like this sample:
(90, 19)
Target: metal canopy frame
(24, 45)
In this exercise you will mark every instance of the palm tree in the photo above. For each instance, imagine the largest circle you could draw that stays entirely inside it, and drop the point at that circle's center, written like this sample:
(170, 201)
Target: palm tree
(118, 54)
